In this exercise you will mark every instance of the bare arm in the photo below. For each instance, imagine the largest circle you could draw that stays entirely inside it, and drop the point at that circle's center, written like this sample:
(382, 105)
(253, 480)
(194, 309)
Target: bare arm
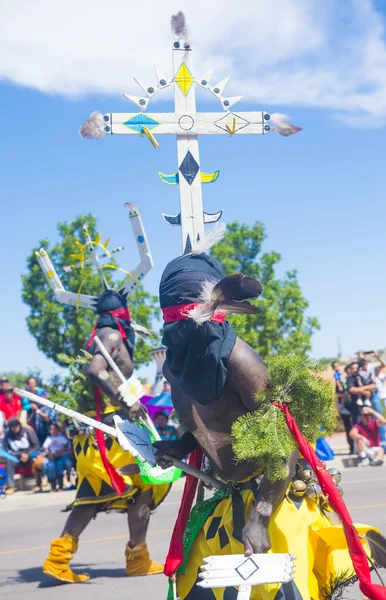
(383, 364)
(248, 374)
(356, 436)
(380, 418)
(363, 388)
(99, 376)
(255, 533)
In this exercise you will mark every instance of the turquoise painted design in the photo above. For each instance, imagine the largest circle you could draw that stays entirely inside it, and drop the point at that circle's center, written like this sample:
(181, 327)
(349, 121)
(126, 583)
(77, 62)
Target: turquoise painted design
(140, 239)
(138, 122)
(173, 179)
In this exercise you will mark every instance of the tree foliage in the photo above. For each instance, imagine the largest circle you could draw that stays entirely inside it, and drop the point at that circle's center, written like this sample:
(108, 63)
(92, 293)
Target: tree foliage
(61, 329)
(282, 326)
(76, 391)
(263, 436)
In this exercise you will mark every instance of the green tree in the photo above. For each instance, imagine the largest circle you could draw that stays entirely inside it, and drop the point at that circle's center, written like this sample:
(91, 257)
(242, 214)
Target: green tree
(282, 326)
(62, 329)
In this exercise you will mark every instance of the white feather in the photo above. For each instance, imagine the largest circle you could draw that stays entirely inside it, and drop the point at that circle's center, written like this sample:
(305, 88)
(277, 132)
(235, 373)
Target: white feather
(282, 124)
(201, 313)
(204, 311)
(206, 290)
(210, 238)
(93, 127)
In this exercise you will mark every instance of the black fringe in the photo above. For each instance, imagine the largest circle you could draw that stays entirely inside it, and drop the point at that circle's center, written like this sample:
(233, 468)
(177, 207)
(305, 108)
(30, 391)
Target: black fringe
(336, 585)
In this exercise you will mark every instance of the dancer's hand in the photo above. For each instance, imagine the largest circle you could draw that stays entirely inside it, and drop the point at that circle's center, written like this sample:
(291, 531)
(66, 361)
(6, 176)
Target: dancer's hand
(255, 535)
(171, 448)
(138, 411)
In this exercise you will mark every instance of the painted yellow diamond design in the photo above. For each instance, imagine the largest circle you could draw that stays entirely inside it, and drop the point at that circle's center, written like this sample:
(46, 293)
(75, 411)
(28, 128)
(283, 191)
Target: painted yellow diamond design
(184, 79)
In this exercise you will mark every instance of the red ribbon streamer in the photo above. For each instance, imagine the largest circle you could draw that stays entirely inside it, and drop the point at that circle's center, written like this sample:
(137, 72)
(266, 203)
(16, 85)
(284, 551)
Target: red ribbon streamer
(116, 479)
(180, 313)
(355, 548)
(176, 549)
(119, 313)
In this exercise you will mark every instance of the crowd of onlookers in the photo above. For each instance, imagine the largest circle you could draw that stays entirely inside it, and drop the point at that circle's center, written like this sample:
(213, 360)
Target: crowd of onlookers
(361, 399)
(33, 442)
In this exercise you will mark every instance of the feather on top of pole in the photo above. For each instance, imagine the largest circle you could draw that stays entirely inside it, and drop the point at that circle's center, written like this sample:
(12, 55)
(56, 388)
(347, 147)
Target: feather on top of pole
(178, 25)
(209, 239)
(93, 127)
(282, 125)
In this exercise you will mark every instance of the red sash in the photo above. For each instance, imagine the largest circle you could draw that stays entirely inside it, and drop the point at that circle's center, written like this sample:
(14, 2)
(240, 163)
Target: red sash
(116, 479)
(176, 549)
(119, 313)
(180, 313)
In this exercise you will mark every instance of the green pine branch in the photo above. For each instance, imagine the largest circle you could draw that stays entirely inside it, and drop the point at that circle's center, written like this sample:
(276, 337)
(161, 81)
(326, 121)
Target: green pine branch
(263, 436)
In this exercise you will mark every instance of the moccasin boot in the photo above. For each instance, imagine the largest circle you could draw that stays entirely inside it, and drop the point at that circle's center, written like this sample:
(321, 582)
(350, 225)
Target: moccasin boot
(138, 562)
(57, 563)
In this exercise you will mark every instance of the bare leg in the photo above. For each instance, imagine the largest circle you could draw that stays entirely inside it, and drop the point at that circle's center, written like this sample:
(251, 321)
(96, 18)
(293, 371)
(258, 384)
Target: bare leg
(138, 516)
(138, 561)
(78, 520)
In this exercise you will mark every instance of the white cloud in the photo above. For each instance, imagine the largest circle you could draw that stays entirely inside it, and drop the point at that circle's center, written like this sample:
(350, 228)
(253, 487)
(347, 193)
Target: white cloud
(328, 54)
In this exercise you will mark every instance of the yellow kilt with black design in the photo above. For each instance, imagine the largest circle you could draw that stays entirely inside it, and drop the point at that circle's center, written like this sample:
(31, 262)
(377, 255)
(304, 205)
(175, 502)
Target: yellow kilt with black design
(94, 485)
(298, 527)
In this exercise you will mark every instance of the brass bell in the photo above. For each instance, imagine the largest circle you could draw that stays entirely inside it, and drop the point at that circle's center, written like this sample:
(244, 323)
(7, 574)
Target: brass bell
(306, 475)
(313, 491)
(339, 490)
(335, 475)
(298, 488)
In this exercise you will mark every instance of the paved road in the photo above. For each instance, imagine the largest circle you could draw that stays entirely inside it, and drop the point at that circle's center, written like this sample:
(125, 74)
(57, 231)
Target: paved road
(26, 530)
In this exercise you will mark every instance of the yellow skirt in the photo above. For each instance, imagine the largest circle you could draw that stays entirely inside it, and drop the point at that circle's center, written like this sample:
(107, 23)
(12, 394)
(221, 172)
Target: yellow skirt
(297, 527)
(94, 485)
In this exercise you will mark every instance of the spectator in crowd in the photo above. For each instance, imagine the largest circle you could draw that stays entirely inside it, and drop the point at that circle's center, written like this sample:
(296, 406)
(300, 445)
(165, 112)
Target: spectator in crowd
(342, 400)
(3, 482)
(56, 448)
(23, 444)
(367, 439)
(367, 371)
(359, 394)
(10, 404)
(166, 432)
(166, 387)
(380, 381)
(40, 417)
(4, 384)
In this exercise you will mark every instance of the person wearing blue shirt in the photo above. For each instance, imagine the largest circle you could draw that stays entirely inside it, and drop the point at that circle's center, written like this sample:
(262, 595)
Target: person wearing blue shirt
(40, 417)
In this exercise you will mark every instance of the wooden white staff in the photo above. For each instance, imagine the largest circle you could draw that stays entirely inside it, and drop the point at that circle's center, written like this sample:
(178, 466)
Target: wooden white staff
(117, 433)
(186, 124)
(130, 399)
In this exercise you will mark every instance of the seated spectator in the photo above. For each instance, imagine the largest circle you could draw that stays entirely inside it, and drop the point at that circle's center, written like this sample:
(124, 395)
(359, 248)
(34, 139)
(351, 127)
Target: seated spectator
(367, 439)
(56, 448)
(359, 394)
(23, 444)
(342, 401)
(166, 432)
(40, 417)
(10, 404)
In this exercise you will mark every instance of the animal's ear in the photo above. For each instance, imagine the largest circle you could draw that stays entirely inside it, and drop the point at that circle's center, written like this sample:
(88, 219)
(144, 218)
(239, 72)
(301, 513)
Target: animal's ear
(237, 287)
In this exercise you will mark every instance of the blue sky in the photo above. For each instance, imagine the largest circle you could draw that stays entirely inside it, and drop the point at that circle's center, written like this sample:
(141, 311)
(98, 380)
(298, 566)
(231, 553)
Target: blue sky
(321, 193)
